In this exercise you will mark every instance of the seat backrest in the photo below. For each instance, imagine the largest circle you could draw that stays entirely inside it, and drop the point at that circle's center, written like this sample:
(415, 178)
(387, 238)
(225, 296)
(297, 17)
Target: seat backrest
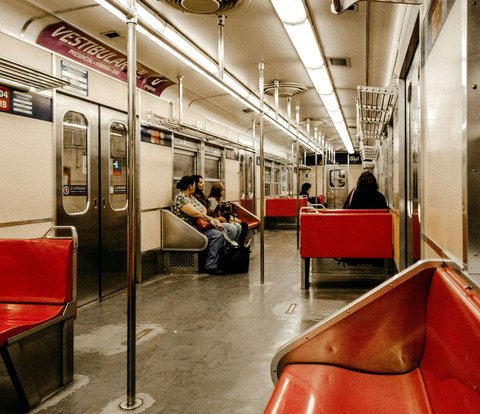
(348, 235)
(451, 362)
(36, 271)
(283, 207)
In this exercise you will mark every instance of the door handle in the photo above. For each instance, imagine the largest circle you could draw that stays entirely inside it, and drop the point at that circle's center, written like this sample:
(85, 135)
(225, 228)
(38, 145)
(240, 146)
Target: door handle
(95, 203)
(103, 202)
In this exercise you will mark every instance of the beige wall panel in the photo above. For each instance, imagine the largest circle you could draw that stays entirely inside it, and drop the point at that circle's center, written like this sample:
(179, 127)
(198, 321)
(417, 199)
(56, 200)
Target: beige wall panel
(29, 231)
(232, 180)
(155, 176)
(443, 136)
(154, 104)
(26, 168)
(150, 229)
(26, 53)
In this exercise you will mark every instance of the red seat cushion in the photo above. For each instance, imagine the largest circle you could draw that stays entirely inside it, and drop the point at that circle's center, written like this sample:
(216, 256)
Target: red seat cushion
(36, 271)
(451, 362)
(316, 389)
(17, 318)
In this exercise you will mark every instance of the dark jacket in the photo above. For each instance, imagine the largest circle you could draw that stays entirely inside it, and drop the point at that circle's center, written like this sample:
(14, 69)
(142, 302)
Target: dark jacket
(366, 200)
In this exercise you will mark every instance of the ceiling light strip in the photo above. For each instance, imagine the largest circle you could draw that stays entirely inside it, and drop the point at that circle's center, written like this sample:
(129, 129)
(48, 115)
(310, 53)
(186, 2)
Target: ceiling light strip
(166, 37)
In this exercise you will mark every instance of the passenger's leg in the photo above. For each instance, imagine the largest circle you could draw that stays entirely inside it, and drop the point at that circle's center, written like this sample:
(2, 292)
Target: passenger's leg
(231, 230)
(243, 233)
(215, 244)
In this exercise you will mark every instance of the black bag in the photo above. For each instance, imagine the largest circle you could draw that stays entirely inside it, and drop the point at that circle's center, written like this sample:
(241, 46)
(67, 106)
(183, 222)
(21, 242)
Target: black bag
(234, 259)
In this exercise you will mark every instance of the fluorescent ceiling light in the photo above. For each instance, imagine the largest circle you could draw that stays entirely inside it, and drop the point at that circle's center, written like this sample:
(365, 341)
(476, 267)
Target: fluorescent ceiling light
(290, 11)
(330, 102)
(305, 43)
(321, 80)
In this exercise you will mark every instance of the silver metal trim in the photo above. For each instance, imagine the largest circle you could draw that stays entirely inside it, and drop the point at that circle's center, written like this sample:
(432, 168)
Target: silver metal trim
(25, 222)
(24, 77)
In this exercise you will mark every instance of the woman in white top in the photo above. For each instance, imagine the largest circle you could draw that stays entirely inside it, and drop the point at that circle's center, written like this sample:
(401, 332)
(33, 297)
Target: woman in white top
(217, 193)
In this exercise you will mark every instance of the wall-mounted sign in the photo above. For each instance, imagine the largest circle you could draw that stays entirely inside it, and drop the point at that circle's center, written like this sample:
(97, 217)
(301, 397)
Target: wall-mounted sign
(5, 99)
(77, 75)
(155, 136)
(83, 48)
(26, 104)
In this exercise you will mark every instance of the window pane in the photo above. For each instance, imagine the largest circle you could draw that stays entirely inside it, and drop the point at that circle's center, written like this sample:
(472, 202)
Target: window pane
(118, 166)
(183, 164)
(212, 168)
(75, 165)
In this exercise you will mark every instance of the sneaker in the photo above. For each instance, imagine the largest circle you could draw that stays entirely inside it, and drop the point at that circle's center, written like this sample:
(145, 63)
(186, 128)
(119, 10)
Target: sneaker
(213, 271)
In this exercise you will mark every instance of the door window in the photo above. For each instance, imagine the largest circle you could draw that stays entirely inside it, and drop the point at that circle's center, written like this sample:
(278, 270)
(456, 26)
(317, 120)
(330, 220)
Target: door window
(118, 166)
(75, 165)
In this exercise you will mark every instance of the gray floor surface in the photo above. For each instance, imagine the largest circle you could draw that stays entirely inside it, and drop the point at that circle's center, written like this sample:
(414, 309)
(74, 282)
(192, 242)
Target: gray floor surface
(204, 343)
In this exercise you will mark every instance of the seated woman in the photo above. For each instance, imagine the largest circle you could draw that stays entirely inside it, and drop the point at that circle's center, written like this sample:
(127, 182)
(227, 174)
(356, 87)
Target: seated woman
(185, 206)
(366, 195)
(202, 199)
(304, 193)
(225, 212)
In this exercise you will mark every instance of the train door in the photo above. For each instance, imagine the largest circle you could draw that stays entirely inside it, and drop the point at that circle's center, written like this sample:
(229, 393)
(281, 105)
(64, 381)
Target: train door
(247, 170)
(412, 185)
(91, 192)
(337, 188)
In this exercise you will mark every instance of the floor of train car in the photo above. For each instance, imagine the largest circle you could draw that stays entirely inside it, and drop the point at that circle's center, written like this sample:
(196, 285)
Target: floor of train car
(204, 343)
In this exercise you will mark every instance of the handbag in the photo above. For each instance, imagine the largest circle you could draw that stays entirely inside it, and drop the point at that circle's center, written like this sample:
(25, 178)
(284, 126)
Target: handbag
(202, 224)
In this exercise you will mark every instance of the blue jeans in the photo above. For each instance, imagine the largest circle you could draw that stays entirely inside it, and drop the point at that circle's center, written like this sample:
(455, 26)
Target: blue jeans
(215, 244)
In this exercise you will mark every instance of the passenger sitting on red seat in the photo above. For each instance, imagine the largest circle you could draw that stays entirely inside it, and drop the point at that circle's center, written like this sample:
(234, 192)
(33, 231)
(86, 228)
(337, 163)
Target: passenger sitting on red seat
(189, 209)
(366, 195)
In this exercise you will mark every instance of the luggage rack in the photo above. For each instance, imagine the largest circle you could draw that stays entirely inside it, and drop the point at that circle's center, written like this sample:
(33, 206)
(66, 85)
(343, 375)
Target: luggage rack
(374, 111)
(26, 78)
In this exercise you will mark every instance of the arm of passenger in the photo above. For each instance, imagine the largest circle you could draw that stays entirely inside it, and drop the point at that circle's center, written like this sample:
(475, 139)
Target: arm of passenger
(189, 210)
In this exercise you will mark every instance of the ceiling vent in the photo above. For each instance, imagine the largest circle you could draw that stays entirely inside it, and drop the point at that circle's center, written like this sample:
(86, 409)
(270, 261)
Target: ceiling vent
(285, 89)
(112, 34)
(207, 6)
(339, 61)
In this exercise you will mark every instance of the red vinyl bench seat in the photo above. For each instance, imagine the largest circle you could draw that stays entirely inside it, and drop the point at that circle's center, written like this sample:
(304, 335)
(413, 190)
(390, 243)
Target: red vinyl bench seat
(283, 207)
(37, 309)
(246, 216)
(409, 346)
(328, 233)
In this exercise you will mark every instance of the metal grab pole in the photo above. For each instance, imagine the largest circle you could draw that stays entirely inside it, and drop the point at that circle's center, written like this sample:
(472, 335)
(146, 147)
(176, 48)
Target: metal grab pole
(297, 122)
(261, 69)
(132, 215)
(221, 45)
(315, 137)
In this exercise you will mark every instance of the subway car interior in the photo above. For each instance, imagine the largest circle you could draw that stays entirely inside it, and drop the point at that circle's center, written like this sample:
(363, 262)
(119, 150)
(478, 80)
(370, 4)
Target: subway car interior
(112, 299)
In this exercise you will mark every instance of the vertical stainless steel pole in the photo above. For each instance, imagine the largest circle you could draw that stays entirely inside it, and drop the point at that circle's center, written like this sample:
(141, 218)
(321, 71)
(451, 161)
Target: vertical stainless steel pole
(261, 81)
(297, 125)
(315, 137)
(180, 98)
(132, 215)
(276, 84)
(289, 111)
(221, 45)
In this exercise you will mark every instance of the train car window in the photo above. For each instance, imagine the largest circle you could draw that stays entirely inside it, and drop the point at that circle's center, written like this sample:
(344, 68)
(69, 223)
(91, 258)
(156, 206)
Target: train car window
(184, 163)
(213, 168)
(337, 178)
(75, 165)
(268, 180)
(276, 181)
(118, 166)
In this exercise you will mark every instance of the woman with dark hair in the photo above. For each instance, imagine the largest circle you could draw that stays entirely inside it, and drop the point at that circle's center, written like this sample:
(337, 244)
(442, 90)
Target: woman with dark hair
(366, 195)
(231, 230)
(225, 212)
(189, 209)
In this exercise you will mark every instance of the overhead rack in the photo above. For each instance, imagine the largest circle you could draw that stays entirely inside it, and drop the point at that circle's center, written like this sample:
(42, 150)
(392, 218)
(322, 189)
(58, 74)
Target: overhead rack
(23, 77)
(374, 111)
(192, 131)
